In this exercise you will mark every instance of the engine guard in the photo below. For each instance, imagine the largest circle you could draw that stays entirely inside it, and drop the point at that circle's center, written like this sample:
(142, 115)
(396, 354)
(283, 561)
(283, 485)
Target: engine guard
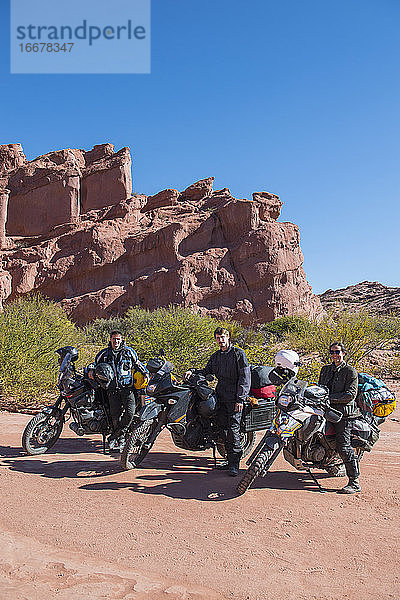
(295, 462)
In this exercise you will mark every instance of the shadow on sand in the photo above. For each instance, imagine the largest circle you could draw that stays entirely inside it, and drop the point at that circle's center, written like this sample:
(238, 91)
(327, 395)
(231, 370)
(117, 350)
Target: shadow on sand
(77, 445)
(172, 474)
(193, 477)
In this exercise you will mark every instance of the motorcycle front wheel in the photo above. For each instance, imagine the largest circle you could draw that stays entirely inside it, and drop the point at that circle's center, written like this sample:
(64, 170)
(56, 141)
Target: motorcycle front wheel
(135, 445)
(256, 469)
(42, 432)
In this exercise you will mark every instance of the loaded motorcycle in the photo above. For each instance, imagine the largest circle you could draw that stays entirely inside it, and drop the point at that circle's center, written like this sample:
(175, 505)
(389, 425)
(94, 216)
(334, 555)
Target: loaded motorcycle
(303, 429)
(83, 398)
(188, 411)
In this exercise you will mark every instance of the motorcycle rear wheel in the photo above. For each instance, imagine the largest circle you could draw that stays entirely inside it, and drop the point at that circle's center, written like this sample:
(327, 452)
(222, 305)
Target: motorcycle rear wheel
(40, 435)
(255, 470)
(134, 451)
(247, 441)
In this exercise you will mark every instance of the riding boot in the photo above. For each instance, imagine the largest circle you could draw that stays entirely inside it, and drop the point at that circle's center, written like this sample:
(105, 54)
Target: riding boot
(116, 439)
(233, 464)
(353, 473)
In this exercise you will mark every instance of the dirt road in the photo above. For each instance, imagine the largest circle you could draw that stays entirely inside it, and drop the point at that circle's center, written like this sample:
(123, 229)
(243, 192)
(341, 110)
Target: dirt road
(74, 527)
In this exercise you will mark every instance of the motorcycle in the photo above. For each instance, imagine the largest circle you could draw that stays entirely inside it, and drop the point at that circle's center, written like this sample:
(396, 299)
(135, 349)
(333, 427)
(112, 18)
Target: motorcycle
(79, 395)
(188, 411)
(303, 429)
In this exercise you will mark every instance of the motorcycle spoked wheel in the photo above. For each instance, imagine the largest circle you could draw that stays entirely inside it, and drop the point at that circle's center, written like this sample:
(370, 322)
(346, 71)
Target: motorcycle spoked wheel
(256, 469)
(247, 441)
(41, 434)
(133, 451)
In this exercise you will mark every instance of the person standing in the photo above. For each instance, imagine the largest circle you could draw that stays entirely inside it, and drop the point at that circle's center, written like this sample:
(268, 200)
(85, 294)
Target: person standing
(230, 365)
(342, 382)
(121, 392)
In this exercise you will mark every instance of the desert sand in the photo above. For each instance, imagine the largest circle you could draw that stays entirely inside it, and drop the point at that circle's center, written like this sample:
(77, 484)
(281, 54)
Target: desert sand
(73, 526)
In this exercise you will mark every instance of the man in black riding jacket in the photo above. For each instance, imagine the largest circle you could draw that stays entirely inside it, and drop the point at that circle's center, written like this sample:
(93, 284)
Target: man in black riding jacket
(342, 383)
(121, 392)
(230, 365)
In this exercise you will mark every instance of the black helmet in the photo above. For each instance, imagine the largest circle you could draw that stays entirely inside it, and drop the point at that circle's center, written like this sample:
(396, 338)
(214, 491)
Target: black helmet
(62, 352)
(103, 374)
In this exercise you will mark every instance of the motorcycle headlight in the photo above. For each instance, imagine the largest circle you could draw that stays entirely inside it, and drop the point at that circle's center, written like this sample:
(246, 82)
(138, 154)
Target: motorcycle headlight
(284, 400)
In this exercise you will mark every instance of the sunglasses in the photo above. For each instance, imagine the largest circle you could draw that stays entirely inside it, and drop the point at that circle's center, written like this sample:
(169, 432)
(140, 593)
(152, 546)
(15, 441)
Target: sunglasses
(334, 351)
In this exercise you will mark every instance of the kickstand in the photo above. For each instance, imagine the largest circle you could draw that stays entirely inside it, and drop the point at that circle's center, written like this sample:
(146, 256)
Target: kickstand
(321, 489)
(214, 456)
(104, 444)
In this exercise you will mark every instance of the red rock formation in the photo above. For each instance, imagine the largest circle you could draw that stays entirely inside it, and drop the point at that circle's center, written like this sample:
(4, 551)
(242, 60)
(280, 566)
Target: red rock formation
(11, 157)
(107, 177)
(4, 195)
(58, 187)
(199, 248)
(164, 198)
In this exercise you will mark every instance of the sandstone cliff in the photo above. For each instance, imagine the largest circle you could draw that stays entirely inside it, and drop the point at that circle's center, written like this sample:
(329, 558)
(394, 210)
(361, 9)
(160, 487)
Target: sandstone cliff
(71, 229)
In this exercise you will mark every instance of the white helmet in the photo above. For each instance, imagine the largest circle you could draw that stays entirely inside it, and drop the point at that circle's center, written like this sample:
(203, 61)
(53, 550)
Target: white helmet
(288, 359)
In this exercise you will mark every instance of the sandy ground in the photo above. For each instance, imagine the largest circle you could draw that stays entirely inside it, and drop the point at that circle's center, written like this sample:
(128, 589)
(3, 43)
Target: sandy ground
(74, 526)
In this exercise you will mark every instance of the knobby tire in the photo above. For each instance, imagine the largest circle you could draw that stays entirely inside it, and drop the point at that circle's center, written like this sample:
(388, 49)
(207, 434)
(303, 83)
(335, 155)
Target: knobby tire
(255, 470)
(133, 452)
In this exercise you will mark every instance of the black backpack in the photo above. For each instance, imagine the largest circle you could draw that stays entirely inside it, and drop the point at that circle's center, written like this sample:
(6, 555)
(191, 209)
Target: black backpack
(260, 377)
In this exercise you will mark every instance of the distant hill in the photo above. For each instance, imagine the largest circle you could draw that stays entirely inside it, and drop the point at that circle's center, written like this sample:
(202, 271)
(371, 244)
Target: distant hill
(370, 295)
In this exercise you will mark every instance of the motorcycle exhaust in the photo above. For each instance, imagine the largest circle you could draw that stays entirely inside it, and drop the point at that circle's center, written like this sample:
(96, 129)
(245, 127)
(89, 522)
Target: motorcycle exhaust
(76, 428)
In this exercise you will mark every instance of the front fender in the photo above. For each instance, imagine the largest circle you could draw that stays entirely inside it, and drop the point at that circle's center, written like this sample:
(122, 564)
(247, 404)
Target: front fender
(53, 411)
(149, 411)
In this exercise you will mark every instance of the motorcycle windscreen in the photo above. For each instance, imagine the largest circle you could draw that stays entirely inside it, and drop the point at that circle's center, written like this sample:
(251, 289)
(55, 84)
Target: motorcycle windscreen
(178, 411)
(65, 369)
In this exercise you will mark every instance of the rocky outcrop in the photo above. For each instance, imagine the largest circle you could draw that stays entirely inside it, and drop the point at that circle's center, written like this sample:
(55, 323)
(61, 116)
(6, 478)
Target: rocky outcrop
(11, 157)
(164, 198)
(58, 187)
(367, 295)
(86, 242)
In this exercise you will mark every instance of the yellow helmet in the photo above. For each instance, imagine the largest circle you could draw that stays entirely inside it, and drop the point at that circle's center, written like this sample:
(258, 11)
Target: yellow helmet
(139, 380)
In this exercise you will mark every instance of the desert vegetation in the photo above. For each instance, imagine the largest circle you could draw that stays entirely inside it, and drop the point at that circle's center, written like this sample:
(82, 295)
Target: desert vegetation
(32, 328)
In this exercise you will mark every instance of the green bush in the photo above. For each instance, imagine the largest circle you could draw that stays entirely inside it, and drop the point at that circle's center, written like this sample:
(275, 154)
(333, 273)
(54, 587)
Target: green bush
(98, 332)
(284, 325)
(31, 329)
(360, 332)
(186, 338)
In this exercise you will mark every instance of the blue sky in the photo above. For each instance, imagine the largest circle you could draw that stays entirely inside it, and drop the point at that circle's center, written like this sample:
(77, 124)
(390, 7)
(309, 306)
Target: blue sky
(296, 97)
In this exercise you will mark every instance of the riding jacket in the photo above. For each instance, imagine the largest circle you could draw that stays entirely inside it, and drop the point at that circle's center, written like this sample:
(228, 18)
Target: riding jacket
(124, 362)
(342, 383)
(232, 370)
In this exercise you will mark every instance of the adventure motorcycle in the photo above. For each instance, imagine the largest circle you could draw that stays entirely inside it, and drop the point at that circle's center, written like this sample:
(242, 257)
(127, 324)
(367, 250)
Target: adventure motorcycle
(83, 397)
(303, 429)
(189, 412)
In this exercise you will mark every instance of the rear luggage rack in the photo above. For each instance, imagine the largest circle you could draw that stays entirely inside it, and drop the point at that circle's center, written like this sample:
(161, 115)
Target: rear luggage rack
(259, 416)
